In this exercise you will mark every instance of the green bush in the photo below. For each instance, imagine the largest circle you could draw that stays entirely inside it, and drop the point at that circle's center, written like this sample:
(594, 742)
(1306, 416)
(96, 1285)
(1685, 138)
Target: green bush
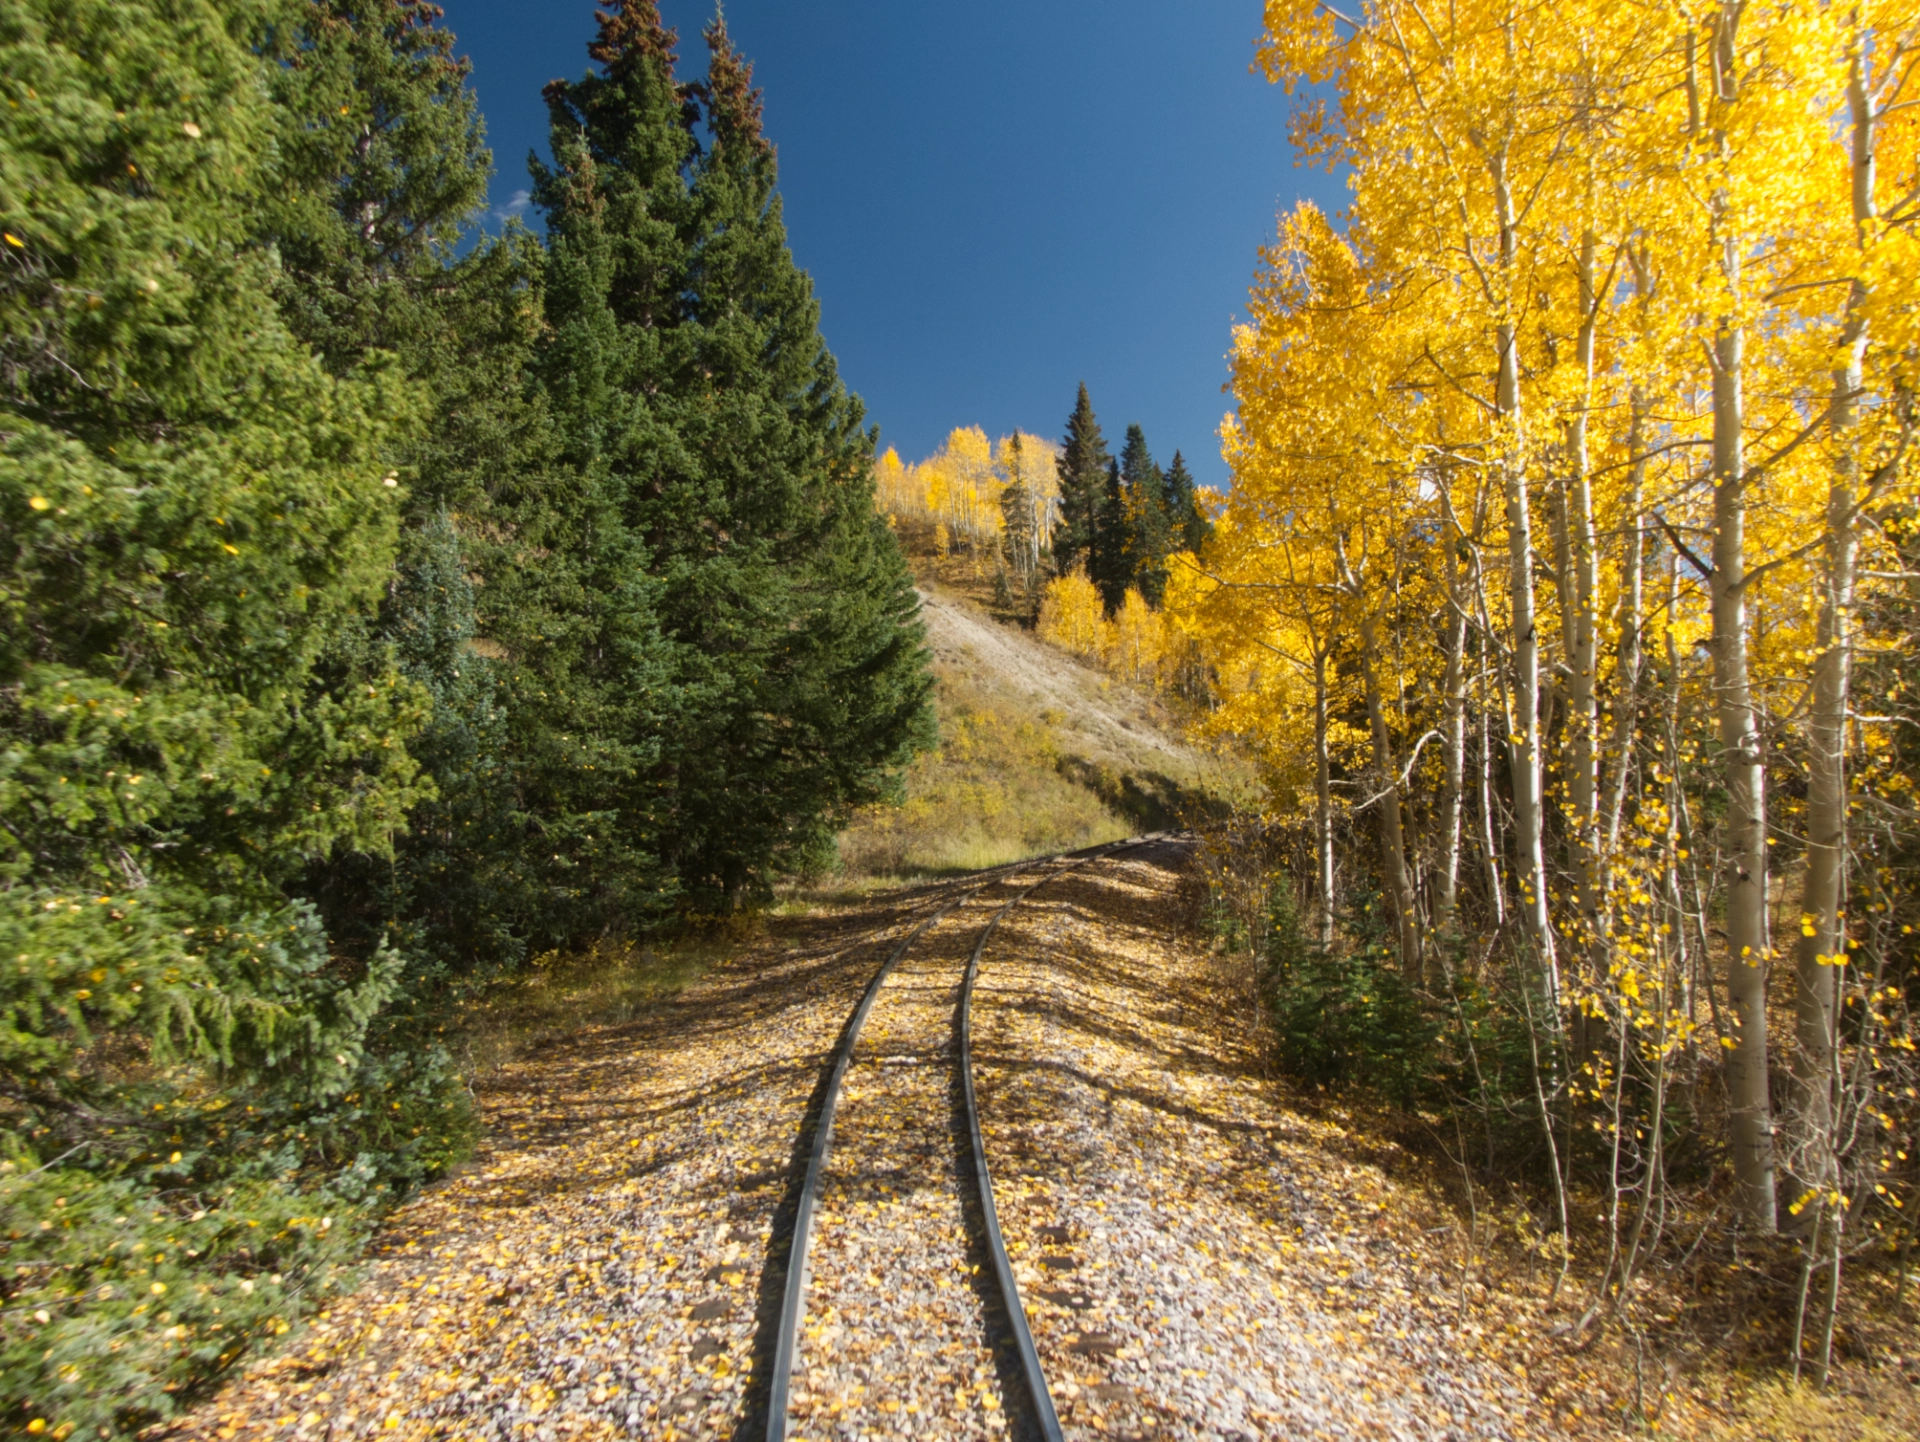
(204, 1223)
(1347, 1018)
(122, 1300)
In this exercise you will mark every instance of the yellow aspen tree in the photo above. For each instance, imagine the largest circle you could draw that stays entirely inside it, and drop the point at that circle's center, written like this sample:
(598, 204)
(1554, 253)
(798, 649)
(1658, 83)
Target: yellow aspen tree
(1134, 646)
(1029, 499)
(1879, 46)
(973, 486)
(1610, 74)
(1267, 626)
(938, 489)
(1455, 129)
(1755, 80)
(1073, 617)
(1325, 482)
(1463, 498)
(892, 482)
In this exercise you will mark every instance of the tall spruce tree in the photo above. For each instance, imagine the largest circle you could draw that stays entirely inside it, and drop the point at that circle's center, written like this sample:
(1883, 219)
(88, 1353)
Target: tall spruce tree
(1020, 515)
(1110, 556)
(584, 646)
(1189, 522)
(1082, 467)
(382, 159)
(1149, 526)
(802, 623)
(733, 461)
(383, 166)
(195, 511)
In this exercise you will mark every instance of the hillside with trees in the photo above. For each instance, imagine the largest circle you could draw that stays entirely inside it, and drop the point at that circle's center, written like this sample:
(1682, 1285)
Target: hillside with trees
(1060, 725)
(1062, 537)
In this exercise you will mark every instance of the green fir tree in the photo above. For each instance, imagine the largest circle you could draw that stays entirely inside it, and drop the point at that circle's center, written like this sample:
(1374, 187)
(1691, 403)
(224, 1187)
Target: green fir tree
(382, 157)
(1150, 534)
(1110, 556)
(384, 169)
(1082, 468)
(1189, 521)
(744, 469)
(197, 512)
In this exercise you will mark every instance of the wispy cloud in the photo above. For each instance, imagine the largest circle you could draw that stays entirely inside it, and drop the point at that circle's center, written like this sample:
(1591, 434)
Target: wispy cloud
(514, 208)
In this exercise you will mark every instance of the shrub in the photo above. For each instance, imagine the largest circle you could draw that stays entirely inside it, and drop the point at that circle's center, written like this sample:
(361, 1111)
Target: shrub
(1346, 1018)
(122, 1300)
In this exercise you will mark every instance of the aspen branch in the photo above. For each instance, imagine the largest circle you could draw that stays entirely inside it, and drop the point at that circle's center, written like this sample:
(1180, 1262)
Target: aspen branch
(1706, 571)
(1405, 772)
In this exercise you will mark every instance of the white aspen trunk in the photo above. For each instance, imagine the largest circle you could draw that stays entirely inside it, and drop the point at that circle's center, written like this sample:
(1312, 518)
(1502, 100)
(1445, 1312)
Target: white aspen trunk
(1489, 843)
(1524, 743)
(1393, 846)
(1583, 776)
(1744, 844)
(1822, 949)
(1626, 700)
(1447, 898)
(1323, 798)
(1632, 611)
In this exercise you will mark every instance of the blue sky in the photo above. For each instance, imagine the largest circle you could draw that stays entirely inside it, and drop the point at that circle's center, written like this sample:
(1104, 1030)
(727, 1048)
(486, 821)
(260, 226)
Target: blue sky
(995, 200)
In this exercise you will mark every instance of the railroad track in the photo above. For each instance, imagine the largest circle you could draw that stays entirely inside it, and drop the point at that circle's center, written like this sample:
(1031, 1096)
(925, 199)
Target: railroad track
(1023, 1384)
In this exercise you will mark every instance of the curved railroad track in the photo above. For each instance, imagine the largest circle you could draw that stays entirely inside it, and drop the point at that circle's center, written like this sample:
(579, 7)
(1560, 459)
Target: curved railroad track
(1029, 1393)
(1198, 1261)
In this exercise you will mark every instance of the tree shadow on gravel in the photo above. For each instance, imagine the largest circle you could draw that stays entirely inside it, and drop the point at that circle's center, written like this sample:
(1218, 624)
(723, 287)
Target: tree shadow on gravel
(1112, 1091)
(995, 1306)
(779, 1254)
(549, 1099)
(754, 1419)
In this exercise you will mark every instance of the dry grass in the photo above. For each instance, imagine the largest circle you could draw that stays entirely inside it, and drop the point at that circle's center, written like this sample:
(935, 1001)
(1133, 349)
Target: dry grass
(1038, 753)
(559, 995)
(997, 790)
(959, 571)
(1782, 1412)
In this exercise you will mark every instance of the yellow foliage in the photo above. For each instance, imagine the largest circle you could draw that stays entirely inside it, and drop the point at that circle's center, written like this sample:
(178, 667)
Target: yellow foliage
(1490, 149)
(1137, 641)
(1073, 618)
(959, 488)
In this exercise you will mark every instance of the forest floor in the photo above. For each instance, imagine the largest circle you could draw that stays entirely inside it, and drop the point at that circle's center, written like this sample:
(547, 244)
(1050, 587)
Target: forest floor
(1201, 1257)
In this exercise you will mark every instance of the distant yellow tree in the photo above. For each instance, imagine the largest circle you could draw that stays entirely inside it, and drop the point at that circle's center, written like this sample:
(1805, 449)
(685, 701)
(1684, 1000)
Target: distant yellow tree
(899, 489)
(962, 491)
(1072, 618)
(1138, 640)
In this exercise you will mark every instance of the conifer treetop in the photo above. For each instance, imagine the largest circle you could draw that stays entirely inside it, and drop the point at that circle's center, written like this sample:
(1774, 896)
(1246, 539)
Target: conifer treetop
(631, 30)
(733, 105)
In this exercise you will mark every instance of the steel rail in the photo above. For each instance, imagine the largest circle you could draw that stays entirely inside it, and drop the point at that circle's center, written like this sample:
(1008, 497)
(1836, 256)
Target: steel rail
(1038, 1396)
(793, 1299)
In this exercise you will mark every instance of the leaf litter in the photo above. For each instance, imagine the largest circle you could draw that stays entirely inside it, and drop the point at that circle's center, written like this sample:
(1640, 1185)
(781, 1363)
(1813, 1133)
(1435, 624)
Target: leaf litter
(597, 1269)
(895, 1341)
(1196, 1260)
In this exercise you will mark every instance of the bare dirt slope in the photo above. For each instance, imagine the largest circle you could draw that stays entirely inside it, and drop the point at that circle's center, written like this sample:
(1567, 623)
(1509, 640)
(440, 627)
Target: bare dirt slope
(1038, 752)
(1087, 710)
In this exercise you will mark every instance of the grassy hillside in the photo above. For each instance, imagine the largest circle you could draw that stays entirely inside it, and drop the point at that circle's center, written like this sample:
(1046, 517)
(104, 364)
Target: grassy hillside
(1038, 753)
